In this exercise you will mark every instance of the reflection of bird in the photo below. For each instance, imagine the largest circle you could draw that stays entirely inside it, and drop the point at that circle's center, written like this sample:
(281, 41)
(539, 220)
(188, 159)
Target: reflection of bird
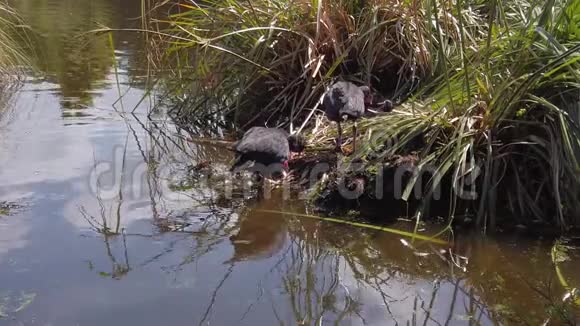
(266, 146)
(260, 233)
(346, 101)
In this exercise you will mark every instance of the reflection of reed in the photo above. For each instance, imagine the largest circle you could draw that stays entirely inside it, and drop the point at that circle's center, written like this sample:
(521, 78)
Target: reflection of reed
(100, 226)
(6, 96)
(118, 269)
(68, 54)
(307, 269)
(214, 294)
(320, 256)
(311, 279)
(473, 313)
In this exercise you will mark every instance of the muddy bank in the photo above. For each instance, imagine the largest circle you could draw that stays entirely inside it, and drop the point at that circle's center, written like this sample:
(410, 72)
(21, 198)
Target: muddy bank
(372, 188)
(332, 185)
(353, 188)
(375, 191)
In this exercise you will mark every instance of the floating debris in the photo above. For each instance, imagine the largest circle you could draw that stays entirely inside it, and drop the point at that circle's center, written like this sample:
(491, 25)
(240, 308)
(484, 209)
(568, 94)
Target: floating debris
(12, 302)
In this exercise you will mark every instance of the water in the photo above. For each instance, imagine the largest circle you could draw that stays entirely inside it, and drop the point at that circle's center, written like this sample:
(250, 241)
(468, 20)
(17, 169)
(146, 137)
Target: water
(142, 249)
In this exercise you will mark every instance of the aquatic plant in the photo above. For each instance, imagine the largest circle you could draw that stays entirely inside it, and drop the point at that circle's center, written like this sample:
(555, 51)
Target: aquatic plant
(563, 311)
(491, 87)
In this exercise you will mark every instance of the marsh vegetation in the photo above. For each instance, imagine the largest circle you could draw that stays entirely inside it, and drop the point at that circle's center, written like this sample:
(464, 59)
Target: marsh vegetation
(491, 88)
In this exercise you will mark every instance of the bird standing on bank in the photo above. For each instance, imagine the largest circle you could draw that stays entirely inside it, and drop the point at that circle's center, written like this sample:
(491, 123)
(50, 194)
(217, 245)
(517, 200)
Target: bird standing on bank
(268, 147)
(346, 101)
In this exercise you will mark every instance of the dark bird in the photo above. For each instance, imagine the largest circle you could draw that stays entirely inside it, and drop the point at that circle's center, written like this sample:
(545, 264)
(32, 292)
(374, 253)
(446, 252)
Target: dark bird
(268, 147)
(347, 101)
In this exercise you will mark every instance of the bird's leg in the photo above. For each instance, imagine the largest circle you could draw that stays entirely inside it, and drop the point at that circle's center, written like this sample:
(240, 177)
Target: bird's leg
(354, 137)
(339, 139)
(285, 173)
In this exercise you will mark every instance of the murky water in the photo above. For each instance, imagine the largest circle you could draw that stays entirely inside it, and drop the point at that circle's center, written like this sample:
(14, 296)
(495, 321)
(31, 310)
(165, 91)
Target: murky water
(138, 248)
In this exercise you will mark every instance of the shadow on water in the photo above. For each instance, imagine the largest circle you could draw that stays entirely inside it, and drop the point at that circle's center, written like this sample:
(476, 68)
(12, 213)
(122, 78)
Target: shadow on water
(118, 227)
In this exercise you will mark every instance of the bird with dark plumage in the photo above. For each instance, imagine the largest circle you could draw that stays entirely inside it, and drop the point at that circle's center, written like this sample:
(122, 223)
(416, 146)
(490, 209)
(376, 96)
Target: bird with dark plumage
(269, 147)
(346, 101)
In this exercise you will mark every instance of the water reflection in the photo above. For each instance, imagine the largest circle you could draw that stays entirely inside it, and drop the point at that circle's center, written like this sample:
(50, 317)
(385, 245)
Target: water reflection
(65, 50)
(206, 258)
(259, 234)
(5, 96)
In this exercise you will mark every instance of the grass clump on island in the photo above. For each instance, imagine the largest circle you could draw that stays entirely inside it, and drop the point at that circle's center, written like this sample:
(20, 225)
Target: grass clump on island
(269, 61)
(492, 86)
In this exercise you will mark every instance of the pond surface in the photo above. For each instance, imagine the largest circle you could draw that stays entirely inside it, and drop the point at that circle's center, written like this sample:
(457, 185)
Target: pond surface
(139, 248)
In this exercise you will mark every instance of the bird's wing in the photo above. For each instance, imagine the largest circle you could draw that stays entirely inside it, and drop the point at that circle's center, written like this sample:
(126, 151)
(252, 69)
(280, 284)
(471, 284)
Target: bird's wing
(244, 144)
(356, 105)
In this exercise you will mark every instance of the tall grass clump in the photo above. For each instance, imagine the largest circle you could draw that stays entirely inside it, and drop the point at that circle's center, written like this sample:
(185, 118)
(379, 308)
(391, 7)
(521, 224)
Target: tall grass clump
(506, 114)
(269, 61)
(492, 87)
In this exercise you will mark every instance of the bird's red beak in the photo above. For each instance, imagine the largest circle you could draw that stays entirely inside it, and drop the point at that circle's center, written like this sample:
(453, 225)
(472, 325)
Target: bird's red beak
(285, 164)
